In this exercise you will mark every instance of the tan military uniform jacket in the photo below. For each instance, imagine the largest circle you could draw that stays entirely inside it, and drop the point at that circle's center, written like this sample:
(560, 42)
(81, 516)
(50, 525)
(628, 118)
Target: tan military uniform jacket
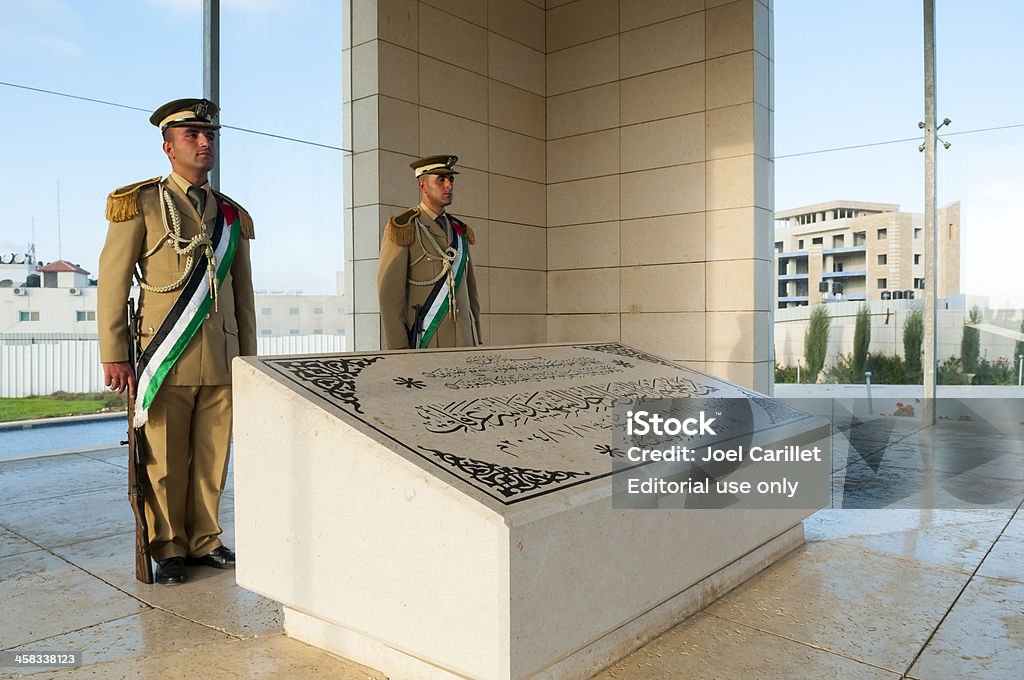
(228, 331)
(399, 299)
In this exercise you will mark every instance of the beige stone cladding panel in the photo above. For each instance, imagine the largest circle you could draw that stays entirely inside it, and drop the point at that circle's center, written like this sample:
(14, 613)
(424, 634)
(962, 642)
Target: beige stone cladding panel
(637, 13)
(515, 155)
(518, 20)
(583, 291)
(515, 246)
(448, 37)
(594, 154)
(581, 22)
(679, 336)
(663, 94)
(666, 239)
(517, 329)
(583, 201)
(583, 246)
(522, 291)
(449, 88)
(515, 109)
(515, 64)
(664, 288)
(663, 45)
(663, 143)
(586, 65)
(583, 327)
(588, 110)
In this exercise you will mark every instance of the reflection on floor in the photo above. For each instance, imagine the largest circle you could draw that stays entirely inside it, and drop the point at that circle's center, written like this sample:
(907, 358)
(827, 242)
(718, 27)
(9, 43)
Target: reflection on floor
(917, 571)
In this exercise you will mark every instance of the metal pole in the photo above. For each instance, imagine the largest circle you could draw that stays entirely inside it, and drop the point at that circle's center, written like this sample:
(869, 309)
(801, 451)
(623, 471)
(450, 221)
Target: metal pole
(211, 66)
(930, 222)
(867, 382)
(1020, 372)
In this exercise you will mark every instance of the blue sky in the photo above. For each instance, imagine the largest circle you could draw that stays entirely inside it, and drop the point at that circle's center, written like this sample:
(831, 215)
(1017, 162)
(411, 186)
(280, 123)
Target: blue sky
(852, 73)
(141, 54)
(846, 74)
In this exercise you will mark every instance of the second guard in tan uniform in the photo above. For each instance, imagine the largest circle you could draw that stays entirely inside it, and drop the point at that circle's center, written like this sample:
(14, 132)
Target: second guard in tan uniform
(189, 248)
(426, 284)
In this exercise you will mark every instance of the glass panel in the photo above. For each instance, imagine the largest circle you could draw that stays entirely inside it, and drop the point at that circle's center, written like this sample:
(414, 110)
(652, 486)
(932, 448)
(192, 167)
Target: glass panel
(282, 159)
(80, 81)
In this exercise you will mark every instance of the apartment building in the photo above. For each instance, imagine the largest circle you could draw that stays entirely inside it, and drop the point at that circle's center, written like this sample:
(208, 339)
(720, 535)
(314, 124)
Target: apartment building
(860, 251)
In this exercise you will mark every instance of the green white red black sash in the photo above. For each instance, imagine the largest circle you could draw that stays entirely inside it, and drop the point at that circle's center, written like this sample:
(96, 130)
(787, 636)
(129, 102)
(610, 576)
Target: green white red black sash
(188, 312)
(442, 296)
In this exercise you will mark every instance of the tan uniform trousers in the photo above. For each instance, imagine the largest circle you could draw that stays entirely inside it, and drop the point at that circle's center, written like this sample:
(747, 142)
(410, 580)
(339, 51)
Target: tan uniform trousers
(188, 433)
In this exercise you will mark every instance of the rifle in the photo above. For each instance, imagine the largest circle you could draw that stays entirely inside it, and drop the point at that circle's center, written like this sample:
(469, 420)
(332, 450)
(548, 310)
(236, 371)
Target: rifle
(414, 331)
(138, 480)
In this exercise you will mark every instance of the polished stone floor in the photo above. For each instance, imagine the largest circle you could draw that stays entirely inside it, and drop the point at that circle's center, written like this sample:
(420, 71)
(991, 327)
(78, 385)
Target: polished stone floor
(917, 571)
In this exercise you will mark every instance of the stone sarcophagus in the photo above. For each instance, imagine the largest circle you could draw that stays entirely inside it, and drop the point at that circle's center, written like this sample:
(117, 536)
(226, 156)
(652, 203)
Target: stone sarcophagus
(453, 514)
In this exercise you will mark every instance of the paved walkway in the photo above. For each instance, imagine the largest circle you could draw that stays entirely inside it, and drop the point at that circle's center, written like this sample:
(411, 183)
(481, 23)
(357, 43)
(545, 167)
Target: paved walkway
(891, 591)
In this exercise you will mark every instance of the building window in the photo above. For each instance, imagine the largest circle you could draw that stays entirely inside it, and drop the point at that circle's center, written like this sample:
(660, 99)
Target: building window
(883, 234)
(293, 331)
(883, 259)
(778, 249)
(341, 311)
(917, 259)
(293, 311)
(817, 241)
(859, 238)
(919, 284)
(882, 284)
(85, 315)
(318, 331)
(917, 232)
(266, 331)
(266, 311)
(800, 244)
(28, 316)
(837, 266)
(838, 241)
(318, 311)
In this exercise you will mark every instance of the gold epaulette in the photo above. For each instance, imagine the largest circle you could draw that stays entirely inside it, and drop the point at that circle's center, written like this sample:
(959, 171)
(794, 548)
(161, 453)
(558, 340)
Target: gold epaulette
(246, 228)
(123, 203)
(400, 228)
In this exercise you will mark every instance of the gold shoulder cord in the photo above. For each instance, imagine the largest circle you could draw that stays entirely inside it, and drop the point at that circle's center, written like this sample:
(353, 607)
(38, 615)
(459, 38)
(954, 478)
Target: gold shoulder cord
(182, 246)
(446, 256)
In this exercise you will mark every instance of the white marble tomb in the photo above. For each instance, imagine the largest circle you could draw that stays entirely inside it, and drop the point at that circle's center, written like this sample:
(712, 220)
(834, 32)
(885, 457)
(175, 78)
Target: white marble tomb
(449, 514)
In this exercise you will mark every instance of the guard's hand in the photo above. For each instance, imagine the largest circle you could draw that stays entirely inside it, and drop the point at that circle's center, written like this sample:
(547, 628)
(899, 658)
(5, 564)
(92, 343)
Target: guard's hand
(118, 376)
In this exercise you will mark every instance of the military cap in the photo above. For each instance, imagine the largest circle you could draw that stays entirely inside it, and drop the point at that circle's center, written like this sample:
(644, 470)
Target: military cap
(191, 112)
(443, 164)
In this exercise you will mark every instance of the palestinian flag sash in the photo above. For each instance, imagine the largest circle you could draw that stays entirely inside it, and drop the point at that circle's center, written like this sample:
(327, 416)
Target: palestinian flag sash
(188, 313)
(442, 295)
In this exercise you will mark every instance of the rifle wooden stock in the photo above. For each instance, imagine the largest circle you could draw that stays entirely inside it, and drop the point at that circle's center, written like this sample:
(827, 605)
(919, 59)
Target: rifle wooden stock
(138, 480)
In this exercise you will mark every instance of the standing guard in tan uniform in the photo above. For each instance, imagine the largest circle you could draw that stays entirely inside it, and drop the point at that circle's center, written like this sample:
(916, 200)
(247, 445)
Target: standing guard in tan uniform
(188, 246)
(426, 284)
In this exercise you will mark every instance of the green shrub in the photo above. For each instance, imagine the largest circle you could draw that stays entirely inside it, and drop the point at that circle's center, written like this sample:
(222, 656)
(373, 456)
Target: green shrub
(887, 370)
(816, 341)
(950, 373)
(841, 372)
(970, 343)
(913, 338)
(998, 372)
(785, 374)
(861, 340)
